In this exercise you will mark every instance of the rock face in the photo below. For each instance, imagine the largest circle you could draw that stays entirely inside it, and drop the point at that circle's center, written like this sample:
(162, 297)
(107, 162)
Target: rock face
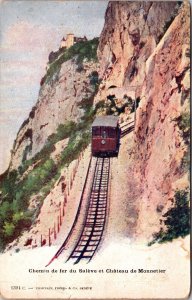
(159, 143)
(57, 103)
(131, 32)
(144, 53)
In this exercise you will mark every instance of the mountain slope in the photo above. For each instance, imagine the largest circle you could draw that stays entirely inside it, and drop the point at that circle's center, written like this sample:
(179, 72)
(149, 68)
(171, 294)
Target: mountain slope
(55, 133)
(66, 83)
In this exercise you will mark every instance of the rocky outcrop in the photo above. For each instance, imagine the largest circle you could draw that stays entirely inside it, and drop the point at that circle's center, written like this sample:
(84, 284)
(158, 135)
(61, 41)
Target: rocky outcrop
(57, 103)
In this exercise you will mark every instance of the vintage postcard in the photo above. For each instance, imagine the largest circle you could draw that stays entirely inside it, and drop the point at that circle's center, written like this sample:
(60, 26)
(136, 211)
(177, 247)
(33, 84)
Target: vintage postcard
(95, 150)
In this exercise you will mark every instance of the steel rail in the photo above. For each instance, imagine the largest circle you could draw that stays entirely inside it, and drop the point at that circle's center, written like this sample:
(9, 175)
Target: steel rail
(93, 228)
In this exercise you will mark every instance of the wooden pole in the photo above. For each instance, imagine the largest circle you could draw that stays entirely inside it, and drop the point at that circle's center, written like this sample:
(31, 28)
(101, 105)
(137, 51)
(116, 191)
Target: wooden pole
(71, 181)
(68, 184)
(60, 218)
(135, 112)
(58, 224)
(55, 234)
(49, 237)
(65, 202)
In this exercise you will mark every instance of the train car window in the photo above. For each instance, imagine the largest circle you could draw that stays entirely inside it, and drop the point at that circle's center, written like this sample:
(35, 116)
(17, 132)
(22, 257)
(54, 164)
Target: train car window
(112, 132)
(96, 131)
(104, 134)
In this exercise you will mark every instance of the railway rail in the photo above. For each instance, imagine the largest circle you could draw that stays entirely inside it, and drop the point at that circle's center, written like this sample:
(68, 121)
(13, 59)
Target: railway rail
(127, 128)
(95, 220)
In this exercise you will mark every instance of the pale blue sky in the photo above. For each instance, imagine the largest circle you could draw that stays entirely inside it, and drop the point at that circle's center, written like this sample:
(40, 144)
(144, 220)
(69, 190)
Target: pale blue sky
(30, 30)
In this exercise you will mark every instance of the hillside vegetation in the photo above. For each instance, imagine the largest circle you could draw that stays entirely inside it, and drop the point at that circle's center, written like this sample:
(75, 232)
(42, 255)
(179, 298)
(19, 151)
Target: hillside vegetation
(82, 50)
(16, 192)
(37, 176)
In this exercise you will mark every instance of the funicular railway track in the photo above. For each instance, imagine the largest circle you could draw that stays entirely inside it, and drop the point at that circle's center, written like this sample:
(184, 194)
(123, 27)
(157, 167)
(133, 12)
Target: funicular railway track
(92, 210)
(96, 216)
(127, 128)
(94, 223)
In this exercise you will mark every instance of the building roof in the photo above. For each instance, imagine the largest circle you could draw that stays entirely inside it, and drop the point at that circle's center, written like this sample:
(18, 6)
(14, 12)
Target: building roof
(109, 121)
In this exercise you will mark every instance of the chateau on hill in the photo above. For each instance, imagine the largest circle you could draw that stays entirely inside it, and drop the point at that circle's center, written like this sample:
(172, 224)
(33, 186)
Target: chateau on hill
(70, 40)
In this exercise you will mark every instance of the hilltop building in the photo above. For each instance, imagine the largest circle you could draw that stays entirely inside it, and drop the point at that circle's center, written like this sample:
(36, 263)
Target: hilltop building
(70, 40)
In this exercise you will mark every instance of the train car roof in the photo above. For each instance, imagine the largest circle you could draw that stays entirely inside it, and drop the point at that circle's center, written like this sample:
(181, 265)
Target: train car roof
(108, 121)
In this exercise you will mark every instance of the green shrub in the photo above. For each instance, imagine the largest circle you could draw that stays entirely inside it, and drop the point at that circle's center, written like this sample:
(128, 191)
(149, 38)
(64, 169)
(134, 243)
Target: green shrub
(22, 220)
(9, 229)
(39, 177)
(14, 215)
(183, 122)
(100, 105)
(89, 112)
(110, 107)
(185, 162)
(27, 150)
(6, 210)
(7, 184)
(82, 50)
(75, 146)
(17, 217)
(94, 80)
(65, 130)
(177, 219)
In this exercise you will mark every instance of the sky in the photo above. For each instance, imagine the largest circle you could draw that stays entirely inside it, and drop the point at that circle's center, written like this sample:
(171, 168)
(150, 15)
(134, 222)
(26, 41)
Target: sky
(30, 30)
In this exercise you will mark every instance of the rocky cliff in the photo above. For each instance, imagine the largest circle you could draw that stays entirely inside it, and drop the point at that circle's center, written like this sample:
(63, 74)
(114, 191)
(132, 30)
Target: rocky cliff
(162, 122)
(144, 53)
(131, 33)
(61, 92)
